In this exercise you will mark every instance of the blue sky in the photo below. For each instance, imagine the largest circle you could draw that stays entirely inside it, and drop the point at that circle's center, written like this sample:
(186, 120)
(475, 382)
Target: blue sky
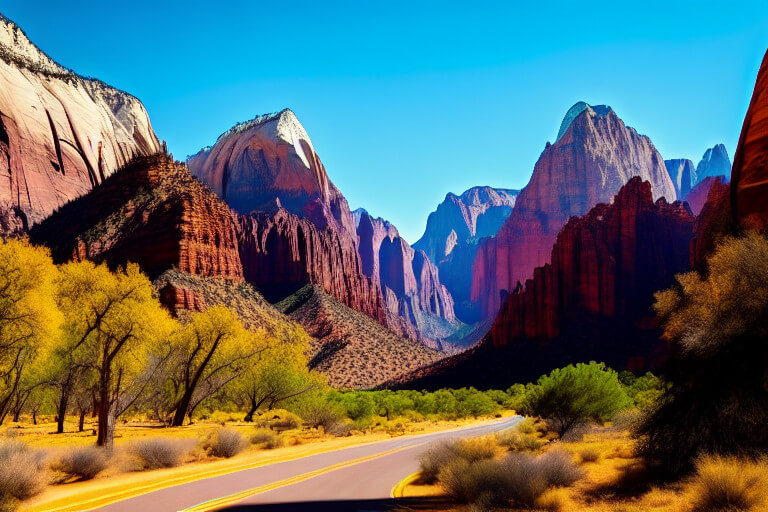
(406, 101)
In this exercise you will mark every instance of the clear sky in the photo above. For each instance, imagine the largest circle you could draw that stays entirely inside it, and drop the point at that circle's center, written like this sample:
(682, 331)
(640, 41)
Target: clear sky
(407, 100)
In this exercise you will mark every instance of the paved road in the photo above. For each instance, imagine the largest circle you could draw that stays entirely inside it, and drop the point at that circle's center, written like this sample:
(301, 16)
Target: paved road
(353, 479)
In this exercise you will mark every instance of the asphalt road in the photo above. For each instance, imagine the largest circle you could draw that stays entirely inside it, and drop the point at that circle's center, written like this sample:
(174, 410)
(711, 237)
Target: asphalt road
(355, 479)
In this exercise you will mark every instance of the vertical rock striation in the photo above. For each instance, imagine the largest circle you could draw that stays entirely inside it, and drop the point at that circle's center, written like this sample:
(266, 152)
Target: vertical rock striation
(683, 175)
(60, 134)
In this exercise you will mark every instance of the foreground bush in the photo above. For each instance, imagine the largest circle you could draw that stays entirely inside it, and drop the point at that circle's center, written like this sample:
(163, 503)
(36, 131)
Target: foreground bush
(445, 453)
(159, 452)
(573, 395)
(225, 443)
(718, 323)
(519, 479)
(82, 463)
(723, 484)
(22, 474)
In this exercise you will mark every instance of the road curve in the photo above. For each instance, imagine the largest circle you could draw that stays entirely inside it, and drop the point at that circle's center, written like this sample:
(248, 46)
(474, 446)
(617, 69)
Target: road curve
(359, 478)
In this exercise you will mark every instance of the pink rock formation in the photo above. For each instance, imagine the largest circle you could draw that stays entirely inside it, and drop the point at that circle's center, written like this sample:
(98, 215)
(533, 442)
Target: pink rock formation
(593, 157)
(605, 266)
(697, 196)
(60, 134)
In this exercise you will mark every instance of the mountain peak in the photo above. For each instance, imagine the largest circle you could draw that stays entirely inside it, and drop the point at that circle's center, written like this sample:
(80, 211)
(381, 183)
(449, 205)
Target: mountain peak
(576, 110)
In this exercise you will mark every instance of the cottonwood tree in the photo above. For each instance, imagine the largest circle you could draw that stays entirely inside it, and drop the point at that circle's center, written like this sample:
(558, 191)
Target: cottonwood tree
(207, 353)
(29, 318)
(113, 319)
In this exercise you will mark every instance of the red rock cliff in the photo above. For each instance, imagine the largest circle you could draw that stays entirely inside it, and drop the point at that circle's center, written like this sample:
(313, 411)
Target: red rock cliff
(60, 134)
(604, 265)
(594, 156)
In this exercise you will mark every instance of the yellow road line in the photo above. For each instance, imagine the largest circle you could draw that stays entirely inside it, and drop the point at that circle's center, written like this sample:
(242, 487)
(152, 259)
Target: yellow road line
(399, 489)
(218, 503)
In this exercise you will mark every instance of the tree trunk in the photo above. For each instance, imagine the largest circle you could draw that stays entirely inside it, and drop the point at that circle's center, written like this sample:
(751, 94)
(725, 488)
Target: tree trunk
(34, 417)
(181, 410)
(249, 417)
(106, 431)
(62, 410)
(81, 421)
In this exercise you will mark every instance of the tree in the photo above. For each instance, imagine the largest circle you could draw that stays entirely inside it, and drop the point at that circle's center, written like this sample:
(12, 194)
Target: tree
(717, 322)
(576, 394)
(29, 318)
(112, 321)
(210, 351)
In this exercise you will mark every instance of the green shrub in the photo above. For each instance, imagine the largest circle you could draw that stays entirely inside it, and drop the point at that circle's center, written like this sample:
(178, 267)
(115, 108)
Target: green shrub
(82, 463)
(278, 419)
(573, 395)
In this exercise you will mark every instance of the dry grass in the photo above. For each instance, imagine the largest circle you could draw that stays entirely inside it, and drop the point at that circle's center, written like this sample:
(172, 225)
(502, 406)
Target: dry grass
(589, 455)
(516, 441)
(266, 439)
(225, 443)
(81, 463)
(22, 474)
(728, 483)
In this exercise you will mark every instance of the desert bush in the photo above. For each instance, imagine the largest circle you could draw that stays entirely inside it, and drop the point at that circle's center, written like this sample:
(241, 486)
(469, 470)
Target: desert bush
(81, 463)
(322, 413)
(718, 323)
(589, 455)
(225, 443)
(468, 450)
(159, 452)
(526, 426)
(519, 478)
(267, 439)
(628, 419)
(515, 441)
(576, 394)
(279, 419)
(22, 474)
(729, 483)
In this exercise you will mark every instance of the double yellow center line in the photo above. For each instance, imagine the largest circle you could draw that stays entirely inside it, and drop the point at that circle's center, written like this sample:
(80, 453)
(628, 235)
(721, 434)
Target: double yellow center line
(219, 503)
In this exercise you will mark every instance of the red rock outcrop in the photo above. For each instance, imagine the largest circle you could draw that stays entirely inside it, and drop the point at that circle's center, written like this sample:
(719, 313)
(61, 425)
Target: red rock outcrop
(604, 265)
(408, 279)
(271, 157)
(452, 235)
(179, 299)
(60, 134)
(152, 212)
(697, 196)
(713, 222)
(749, 178)
(593, 157)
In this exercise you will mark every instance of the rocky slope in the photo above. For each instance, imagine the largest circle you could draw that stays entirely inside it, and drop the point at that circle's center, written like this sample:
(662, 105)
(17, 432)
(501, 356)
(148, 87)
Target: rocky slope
(408, 279)
(152, 212)
(453, 233)
(749, 180)
(594, 155)
(350, 348)
(714, 163)
(593, 301)
(60, 133)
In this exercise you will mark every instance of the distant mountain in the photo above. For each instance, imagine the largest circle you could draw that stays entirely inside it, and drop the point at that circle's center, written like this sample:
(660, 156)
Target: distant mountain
(593, 301)
(683, 175)
(408, 279)
(714, 163)
(60, 133)
(594, 155)
(453, 233)
(350, 348)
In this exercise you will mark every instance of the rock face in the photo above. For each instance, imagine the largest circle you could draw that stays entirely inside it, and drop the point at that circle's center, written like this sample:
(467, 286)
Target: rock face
(714, 163)
(60, 134)
(605, 265)
(749, 181)
(714, 221)
(683, 175)
(594, 156)
(152, 212)
(697, 196)
(408, 279)
(271, 157)
(453, 233)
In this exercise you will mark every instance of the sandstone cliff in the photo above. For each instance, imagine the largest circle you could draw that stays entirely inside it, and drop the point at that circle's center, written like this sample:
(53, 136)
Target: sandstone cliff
(408, 279)
(453, 233)
(594, 156)
(60, 133)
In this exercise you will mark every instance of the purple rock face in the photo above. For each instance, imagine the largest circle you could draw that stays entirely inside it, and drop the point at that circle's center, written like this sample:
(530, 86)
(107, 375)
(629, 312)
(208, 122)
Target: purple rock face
(452, 235)
(715, 162)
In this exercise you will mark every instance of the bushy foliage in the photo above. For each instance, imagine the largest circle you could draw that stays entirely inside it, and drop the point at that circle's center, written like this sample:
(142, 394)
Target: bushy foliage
(81, 463)
(225, 443)
(159, 452)
(442, 454)
(718, 324)
(22, 474)
(728, 483)
(576, 394)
